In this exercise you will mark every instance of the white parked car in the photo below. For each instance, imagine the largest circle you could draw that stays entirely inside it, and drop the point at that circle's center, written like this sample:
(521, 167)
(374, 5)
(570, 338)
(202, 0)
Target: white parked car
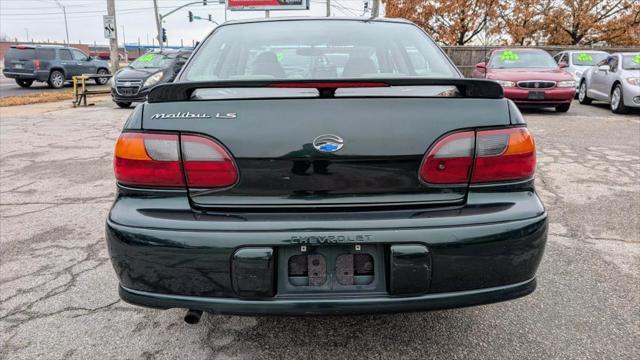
(579, 61)
(615, 80)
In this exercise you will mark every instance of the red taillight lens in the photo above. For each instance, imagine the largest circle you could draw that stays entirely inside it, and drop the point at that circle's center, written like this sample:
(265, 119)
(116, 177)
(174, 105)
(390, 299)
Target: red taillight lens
(500, 155)
(36, 64)
(503, 155)
(148, 160)
(206, 163)
(450, 159)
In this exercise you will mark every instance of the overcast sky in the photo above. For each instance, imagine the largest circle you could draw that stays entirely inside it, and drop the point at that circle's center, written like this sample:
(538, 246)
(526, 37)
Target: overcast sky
(43, 19)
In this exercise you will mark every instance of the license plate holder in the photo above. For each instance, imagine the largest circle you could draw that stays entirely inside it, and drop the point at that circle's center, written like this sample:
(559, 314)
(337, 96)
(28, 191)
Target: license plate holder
(331, 269)
(536, 95)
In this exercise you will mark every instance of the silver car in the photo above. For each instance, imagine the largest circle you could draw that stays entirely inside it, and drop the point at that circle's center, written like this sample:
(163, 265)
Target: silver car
(579, 61)
(615, 80)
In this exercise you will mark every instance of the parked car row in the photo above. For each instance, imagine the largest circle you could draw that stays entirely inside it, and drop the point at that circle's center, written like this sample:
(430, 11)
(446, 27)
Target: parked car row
(52, 64)
(56, 65)
(532, 78)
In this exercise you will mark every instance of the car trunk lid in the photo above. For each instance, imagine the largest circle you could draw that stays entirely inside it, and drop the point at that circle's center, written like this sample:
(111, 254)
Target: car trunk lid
(384, 140)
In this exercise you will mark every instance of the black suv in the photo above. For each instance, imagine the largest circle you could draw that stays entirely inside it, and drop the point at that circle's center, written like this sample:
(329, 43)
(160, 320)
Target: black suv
(132, 83)
(53, 64)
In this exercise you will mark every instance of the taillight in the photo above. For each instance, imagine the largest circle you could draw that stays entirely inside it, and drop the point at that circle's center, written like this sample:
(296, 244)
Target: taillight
(450, 160)
(503, 155)
(36, 64)
(206, 163)
(481, 157)
(153, 160)
(148, 160)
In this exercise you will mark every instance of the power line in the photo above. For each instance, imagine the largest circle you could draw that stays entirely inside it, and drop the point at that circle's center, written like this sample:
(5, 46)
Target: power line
(124, 11)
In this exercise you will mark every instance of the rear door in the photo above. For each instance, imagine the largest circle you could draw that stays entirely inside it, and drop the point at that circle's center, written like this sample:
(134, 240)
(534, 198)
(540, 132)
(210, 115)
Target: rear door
(19, 59)
(46, 56)
(69, 64)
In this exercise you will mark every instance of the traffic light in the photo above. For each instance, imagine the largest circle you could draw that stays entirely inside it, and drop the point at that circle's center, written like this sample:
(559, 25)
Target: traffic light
(210, 18)
(164, 35)
(190, 16)
(204, 2)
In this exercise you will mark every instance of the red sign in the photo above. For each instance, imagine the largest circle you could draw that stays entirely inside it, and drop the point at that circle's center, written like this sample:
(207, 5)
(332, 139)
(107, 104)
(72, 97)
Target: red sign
(268, 4)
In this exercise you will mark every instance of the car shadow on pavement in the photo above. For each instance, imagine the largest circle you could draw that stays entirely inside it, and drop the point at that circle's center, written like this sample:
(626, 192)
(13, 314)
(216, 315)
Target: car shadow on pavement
(340, 336)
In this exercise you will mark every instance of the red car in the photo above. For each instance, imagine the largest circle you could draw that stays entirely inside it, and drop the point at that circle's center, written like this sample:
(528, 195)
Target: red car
(529, 77)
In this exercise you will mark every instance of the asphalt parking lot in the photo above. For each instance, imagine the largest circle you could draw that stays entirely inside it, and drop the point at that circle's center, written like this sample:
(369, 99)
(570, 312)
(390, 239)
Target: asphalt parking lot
(58, 292)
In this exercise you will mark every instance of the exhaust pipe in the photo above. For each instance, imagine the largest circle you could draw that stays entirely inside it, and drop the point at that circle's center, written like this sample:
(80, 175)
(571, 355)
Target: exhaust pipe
(192, 317)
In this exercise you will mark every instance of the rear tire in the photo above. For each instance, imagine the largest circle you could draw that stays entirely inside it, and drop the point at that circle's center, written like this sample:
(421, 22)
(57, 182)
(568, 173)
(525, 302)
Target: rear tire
(56, 79)
(617, 101)
(582, 94)
(124, 105)
(24, 83)
(102, 81)
(563, 107)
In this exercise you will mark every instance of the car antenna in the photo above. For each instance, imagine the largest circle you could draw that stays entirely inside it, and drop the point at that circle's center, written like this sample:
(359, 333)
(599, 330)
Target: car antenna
(484, 29)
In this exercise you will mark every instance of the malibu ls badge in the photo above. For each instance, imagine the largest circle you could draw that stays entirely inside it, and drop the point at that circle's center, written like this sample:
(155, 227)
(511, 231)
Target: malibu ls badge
(190, 115)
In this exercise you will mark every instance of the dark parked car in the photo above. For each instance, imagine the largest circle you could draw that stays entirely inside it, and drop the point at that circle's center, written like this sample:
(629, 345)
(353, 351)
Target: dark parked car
(132, 83)
(53, 64)
(387, 183)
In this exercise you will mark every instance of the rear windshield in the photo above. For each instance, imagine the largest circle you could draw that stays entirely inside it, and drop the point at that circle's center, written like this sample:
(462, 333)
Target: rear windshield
(152, 60)
(512, 59)
(318, 49)
(21, 53)
(631, 62)
(587, 58)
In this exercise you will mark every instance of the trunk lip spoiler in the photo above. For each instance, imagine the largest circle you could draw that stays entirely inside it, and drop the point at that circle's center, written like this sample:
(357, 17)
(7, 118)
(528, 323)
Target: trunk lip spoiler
(469, 88)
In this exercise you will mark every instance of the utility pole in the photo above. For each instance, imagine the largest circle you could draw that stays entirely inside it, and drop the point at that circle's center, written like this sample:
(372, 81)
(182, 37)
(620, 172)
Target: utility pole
(375, 10)
(66, 24)
(114, 55)
(124, 46)
(328, 8)
(158, 23)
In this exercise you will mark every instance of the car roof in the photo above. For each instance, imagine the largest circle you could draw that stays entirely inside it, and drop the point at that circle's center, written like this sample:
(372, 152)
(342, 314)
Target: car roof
(518, 49)
(170, 51)
(33, 46)
(585, 50)
(316, 18)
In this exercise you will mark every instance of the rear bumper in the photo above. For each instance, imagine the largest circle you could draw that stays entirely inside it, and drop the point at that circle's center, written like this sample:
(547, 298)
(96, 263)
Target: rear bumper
(343, 306)
(38, 75)
(487, 251)
(552, 97)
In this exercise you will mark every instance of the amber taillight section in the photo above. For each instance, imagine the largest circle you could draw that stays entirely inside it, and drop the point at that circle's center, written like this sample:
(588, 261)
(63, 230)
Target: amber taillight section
(155, 160)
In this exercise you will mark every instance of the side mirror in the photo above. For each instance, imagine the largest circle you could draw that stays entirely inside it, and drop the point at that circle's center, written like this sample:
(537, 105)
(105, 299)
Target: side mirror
(562, 64)
(482, 66)
(604, 68)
